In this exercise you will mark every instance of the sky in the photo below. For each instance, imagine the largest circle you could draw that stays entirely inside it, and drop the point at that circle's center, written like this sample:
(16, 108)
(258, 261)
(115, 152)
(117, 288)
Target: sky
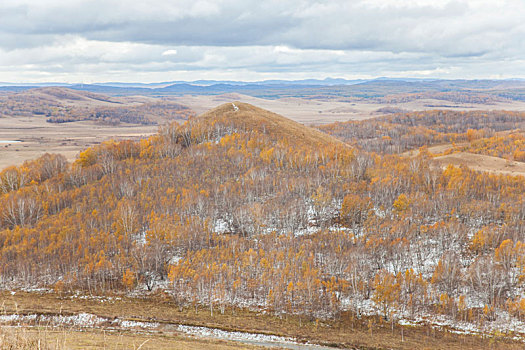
(153, 41)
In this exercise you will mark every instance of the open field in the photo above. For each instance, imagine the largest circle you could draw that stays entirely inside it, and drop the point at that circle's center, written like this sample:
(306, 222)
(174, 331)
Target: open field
(59, 120)
(435, 150)
(481, 162)
(478, 162)
(347, 332)
(37, 137)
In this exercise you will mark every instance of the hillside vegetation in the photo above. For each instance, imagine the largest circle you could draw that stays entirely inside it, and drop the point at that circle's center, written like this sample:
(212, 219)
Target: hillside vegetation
(242, 207)
(401, 132)
(61, 105)
(507, 145)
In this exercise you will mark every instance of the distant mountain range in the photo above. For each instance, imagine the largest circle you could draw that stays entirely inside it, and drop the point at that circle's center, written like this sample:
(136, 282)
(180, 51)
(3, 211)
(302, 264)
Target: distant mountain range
(317, 82)
(327, 81)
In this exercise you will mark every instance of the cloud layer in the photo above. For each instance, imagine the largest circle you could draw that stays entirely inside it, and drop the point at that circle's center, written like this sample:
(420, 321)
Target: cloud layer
(250, 40)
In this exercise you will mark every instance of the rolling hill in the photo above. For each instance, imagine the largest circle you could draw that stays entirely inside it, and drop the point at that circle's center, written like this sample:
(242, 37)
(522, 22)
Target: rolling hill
(59, 105)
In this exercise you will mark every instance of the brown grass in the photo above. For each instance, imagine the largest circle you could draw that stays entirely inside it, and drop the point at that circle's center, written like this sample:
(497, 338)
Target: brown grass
(23, 339)
(33, 338)
(348, 331)
(479, 162)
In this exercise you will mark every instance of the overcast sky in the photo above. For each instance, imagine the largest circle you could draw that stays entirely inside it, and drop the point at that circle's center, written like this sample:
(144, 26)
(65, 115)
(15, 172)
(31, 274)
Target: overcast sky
(152, 40)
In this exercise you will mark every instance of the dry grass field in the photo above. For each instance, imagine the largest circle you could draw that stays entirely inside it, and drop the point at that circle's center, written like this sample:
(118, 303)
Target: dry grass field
(347, 332)
(25, 116)
(479, 162)
(31, 338)
(37, 137)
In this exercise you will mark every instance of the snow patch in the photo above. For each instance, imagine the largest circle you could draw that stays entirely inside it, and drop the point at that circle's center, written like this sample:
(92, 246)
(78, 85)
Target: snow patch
(137, 324)
(221, 226)
(239, 336)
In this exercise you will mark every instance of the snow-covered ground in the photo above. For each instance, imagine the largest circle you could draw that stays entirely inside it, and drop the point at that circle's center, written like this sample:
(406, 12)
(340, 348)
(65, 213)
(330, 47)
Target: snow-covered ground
(82, 320)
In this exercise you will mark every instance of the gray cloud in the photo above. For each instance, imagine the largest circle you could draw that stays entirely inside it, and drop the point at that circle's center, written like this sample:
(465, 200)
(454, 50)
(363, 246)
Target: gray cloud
(234, 39)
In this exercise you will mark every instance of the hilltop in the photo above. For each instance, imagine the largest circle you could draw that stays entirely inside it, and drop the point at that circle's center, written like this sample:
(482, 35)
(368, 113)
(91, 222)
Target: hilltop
(240, 116)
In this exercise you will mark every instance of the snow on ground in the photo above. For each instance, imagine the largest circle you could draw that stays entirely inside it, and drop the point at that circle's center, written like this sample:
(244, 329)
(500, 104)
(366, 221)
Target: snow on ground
(310, 230)
(101, 299)
(136, 324)
(11, 319)
(140, 238)
(365, 307)
(221, 226)
(218, 333)
(82, 320)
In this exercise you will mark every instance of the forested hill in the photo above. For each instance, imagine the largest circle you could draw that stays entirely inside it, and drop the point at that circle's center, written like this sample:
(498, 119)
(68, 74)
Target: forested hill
(139, 206)
(242, 207)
